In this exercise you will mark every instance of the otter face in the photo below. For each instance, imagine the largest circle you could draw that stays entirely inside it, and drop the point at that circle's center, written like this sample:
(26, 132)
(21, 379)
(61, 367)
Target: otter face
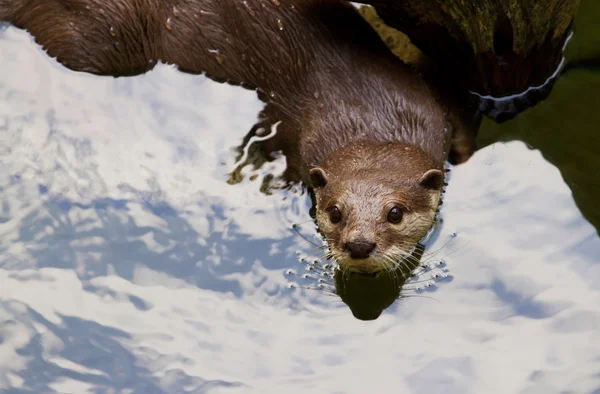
(370, 220)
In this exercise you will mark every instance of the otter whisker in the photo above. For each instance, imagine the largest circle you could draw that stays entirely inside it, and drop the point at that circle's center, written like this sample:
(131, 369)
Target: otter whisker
(323, 254)
(452, 254)
(427, 267)
(316, 260)
(440, 266)
(394, 264)
(403, 266)
(308, 240)
(437, 250)
(294, 225)
(419, 296)
(315, 265)
(404, 244)
(297, 286)
(410, 262)
(408, 257)
(385, 261)
(406, 271)
(429, 280)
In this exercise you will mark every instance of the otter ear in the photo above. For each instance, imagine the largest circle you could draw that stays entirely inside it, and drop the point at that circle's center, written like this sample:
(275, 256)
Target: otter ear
(432, 179)
(318, 178)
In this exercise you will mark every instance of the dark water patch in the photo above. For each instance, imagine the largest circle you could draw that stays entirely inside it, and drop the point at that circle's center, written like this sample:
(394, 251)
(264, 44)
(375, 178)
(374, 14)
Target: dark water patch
(139, 303)
(98, 347)
(112, 236)
(564, 129)
(98, 204)
(42, 189)
(160, 209)
(521, 305)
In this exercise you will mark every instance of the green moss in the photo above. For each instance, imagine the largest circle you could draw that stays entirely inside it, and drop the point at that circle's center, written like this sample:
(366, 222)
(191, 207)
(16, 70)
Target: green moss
(586, 42)
(565, 129)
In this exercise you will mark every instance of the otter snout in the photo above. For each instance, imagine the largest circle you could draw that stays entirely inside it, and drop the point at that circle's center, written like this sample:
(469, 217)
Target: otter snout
(360, 249)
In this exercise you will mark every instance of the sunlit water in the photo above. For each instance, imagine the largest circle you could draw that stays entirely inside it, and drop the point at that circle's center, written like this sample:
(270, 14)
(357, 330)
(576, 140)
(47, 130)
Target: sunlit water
(128, 264)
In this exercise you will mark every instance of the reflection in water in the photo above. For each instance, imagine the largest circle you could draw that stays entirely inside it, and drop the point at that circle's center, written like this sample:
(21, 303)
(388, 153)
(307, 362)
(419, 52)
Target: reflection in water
(369, 294)
(564, 126)
(505, 108)
(568, 138)
(128, 264)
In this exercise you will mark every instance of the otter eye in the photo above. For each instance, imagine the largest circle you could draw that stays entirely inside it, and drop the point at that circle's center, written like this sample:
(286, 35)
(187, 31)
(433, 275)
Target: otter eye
(335, 215)
(394, 215)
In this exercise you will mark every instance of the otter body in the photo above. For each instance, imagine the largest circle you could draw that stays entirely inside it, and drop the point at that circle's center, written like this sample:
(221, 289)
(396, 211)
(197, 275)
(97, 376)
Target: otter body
(356, 124)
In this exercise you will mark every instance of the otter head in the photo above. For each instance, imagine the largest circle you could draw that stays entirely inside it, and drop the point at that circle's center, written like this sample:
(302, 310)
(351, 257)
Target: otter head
(372, 211)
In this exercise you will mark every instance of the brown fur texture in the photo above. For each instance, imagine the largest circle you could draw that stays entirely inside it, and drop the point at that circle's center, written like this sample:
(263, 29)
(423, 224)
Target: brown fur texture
(345, 103)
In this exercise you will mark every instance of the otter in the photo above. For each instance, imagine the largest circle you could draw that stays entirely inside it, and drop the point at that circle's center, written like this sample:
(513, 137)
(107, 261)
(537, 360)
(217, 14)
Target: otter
(357, 125)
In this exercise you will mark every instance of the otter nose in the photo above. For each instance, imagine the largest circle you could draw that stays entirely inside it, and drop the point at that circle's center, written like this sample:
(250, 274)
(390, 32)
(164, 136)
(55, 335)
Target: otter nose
(360, 249)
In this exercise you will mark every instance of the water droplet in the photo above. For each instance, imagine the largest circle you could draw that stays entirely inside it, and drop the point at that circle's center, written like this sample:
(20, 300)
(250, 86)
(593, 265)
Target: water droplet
(217, 54)
(316, 94)
(244, 57)
(276, 2)
(279, 24)
(175, 12)
(169, 24)
(272, 94)
(112, 31)
(250, 11)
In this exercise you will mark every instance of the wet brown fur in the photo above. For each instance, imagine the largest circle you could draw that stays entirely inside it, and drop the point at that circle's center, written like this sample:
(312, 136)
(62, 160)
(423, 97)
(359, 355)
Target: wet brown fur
(345, 103)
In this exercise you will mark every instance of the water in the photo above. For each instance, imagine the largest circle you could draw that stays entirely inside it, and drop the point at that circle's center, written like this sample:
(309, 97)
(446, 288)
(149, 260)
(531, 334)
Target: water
(129, 264)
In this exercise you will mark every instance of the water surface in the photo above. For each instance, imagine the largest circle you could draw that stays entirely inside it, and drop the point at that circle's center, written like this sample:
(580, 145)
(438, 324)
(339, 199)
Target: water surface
(128, 264)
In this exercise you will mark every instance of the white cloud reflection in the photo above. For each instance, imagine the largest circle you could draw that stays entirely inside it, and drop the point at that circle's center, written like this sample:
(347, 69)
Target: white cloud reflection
(129, 265)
